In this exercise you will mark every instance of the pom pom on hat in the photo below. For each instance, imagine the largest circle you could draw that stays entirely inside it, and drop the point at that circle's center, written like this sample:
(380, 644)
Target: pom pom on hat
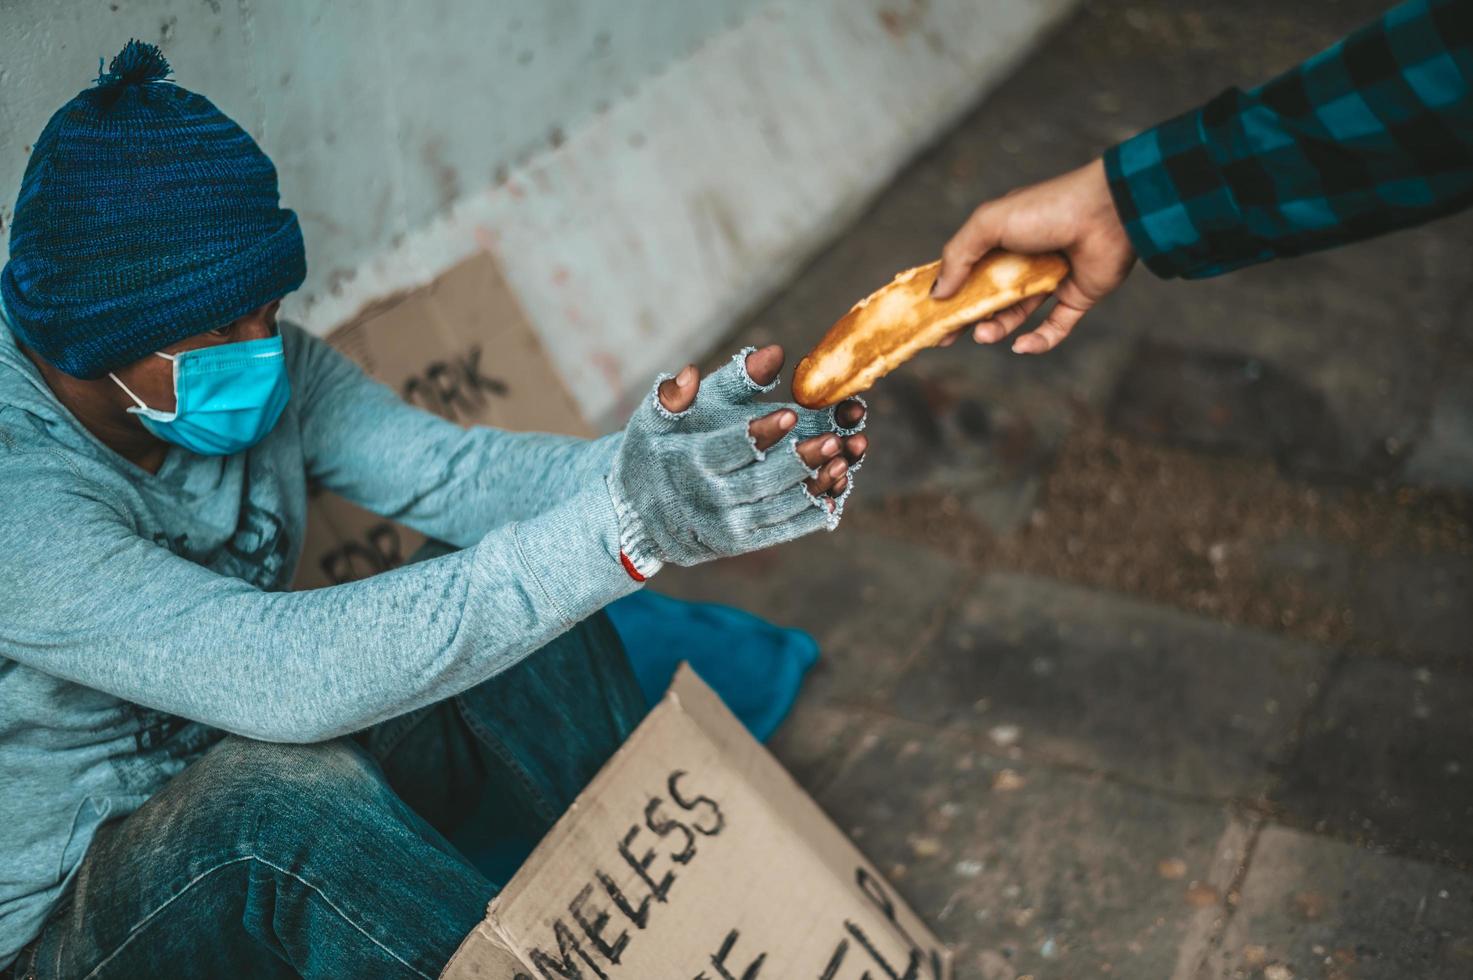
(135, 64)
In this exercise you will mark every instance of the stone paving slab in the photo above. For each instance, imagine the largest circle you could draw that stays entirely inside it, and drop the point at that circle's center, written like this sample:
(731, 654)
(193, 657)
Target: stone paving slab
(1415, 607)
(817, 741)
(1230, 402)
(1355, 345)
(1443, 456)
(1317, 908)
(1028, 870)
(1387, 758)
(870, 601)
(1069, 675)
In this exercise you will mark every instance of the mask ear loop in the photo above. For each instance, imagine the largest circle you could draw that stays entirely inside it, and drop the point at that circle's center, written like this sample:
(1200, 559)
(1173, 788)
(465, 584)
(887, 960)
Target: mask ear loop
(136, 400)
(129, 391)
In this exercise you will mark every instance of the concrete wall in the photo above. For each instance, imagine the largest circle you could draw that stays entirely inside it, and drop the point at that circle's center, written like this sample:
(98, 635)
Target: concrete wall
(644, 169)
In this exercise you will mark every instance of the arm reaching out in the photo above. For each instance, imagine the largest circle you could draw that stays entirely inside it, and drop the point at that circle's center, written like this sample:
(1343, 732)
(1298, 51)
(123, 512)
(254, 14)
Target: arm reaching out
(702, 473)
(1373, 134)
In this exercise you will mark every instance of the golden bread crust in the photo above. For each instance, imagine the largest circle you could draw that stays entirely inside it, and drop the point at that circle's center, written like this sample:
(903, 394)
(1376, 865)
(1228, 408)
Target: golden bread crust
(893, 324)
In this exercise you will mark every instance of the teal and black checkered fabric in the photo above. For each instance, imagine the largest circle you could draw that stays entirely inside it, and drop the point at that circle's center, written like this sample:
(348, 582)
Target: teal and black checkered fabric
(1371, 135)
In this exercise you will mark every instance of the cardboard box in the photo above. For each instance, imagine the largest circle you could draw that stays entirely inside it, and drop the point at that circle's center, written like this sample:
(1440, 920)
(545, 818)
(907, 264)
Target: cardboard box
(462, 348)
(694, 856)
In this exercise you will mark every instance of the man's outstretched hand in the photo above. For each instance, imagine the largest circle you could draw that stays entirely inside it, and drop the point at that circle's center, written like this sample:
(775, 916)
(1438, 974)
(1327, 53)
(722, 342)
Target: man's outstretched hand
(831, 454)
(1073, 214)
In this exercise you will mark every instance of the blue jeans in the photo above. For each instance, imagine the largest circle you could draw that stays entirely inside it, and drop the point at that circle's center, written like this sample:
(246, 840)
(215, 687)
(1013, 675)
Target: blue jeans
(332, 860)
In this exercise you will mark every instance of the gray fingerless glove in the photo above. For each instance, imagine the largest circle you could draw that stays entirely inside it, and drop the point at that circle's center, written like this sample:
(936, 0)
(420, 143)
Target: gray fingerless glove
(692, 487)
(727, 397)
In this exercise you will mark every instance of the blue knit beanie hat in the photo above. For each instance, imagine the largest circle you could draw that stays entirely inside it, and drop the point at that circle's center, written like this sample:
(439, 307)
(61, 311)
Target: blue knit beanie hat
(145, 216)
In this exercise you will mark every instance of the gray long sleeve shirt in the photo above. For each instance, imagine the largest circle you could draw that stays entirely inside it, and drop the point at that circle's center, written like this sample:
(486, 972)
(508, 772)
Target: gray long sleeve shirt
(143, 615)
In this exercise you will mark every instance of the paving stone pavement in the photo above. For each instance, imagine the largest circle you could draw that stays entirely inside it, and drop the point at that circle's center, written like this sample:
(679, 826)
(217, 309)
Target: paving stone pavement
(1387, 759)
(1151, 658)
(1323, 908)
(1086, 679)
(1035, 870)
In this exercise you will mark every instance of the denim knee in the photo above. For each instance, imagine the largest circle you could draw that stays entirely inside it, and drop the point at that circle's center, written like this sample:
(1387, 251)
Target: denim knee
(277, 796)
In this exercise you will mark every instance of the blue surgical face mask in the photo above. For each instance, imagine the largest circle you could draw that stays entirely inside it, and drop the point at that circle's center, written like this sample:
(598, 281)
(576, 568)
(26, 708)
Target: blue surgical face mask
(226, 398)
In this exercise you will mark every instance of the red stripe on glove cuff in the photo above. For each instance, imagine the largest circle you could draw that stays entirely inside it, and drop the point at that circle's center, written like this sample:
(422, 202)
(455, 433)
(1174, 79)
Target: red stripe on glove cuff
(629, 567)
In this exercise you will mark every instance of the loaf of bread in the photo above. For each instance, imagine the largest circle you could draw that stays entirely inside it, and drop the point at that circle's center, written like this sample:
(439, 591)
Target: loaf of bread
(890, 326)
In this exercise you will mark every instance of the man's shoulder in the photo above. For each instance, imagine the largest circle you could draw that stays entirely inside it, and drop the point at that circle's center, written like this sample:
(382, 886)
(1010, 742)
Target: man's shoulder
(39, 474)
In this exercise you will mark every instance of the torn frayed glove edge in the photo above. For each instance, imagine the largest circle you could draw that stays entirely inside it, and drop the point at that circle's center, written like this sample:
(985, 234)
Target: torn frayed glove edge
(821, 501)
(660, 409)
(844, 430)
(832, 508)
(758, 454)
(740, 359)
(843, 498)
(812, 471)
(637, 550)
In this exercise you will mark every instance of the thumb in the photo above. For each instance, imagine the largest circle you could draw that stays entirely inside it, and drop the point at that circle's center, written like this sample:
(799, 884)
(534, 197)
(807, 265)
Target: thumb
(1072, 303)
(978, 236)
(678, 393)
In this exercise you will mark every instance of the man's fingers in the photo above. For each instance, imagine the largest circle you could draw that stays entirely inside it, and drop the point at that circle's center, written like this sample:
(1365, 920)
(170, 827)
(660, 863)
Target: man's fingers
(827, 478)
(855, 447)
(972, 241)
(764, 364)
(991, 330)
(767, 430)
(679, 393)
(817, 451)
(1050, 333)
(1071, 306)
(849, 414)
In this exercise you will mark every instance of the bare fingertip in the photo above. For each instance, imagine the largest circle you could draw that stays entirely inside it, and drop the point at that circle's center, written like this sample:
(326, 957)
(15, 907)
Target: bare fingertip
(687, 376)
(787, 420)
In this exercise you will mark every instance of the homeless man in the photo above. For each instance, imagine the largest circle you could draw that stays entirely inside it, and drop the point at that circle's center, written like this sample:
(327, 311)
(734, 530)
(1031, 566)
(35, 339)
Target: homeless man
(203, 773)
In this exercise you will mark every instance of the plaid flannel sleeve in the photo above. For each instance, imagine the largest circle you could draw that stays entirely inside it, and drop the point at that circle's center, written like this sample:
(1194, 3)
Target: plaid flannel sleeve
(1371, 135)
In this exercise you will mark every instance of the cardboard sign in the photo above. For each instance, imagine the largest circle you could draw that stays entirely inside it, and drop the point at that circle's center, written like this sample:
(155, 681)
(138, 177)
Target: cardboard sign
(462, 348)
(694, 856)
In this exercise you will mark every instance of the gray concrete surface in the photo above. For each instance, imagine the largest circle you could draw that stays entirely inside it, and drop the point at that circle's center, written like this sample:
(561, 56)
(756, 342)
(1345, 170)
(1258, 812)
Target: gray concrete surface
(1152, 658)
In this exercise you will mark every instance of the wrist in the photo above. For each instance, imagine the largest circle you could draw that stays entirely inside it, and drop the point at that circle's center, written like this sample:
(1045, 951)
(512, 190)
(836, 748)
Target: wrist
(638, 552)
(1101, 207)
(569, 557)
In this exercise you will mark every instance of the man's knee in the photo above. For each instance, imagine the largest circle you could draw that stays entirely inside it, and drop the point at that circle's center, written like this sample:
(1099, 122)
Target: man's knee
(278, 787)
